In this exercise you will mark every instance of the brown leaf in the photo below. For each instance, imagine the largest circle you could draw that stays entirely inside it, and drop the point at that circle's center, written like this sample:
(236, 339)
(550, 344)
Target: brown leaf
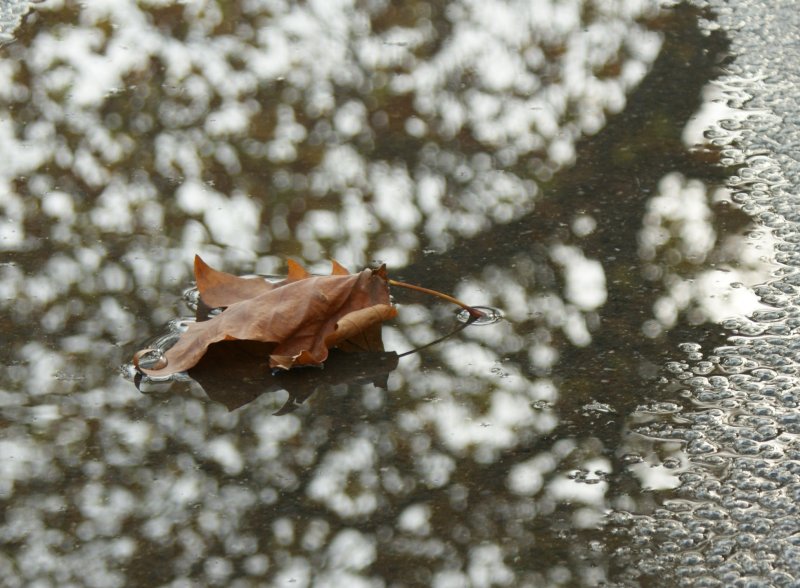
(302, 317)
(220, 289)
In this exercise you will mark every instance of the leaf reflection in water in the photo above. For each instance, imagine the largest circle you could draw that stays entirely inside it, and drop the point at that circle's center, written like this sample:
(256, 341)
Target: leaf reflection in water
(235, 373)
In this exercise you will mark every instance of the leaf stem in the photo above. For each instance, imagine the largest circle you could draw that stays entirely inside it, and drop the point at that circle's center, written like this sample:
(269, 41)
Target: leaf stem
(474, 313)
(460, 327)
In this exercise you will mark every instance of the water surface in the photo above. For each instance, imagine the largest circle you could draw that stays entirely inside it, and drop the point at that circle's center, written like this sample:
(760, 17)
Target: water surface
(544, 158)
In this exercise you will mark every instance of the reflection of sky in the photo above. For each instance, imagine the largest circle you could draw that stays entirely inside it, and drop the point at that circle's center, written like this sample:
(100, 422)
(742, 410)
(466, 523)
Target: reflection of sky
(505, 105)
(678, 227)
(132, 140)
(717, 290)
(658, 472)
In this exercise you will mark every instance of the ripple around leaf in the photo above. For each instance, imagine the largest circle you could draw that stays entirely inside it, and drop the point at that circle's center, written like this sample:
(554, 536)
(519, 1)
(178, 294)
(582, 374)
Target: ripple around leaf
(490, 316)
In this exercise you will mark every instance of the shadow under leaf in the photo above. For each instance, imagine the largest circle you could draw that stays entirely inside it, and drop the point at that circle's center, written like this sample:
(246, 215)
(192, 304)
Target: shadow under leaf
(235, 373)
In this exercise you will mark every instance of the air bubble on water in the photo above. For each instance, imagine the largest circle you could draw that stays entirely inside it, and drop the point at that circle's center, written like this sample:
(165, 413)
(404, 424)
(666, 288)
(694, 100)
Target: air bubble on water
(631, 458)
(598, 407)
(192, 298)
(490, 316)
(180, 325)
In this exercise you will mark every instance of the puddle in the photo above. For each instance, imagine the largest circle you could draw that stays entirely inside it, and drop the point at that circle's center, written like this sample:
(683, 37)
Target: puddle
(535, 163)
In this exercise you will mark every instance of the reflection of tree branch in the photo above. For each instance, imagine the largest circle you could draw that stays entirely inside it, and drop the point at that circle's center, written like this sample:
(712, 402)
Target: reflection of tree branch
(616, 173)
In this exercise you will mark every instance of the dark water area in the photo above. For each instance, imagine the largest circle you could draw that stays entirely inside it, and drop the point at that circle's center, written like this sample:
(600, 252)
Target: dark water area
(552, 160)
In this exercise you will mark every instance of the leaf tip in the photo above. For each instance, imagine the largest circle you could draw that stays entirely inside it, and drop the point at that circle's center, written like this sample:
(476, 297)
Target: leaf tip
(199, 265)
(338, 269)
(296, 271)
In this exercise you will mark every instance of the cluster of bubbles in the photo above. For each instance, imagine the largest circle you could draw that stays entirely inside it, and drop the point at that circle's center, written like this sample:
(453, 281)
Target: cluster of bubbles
(734, 518)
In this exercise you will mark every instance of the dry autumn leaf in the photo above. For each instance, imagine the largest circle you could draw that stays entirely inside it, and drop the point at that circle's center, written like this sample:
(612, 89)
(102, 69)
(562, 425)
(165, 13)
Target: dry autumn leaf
(301, 317)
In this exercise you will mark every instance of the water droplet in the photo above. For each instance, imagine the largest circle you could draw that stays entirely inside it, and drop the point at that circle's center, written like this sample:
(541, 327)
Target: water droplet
(631, 458)
(490, 316)
(192, 298)
(179, 325)
(151, 359)
(598, 407)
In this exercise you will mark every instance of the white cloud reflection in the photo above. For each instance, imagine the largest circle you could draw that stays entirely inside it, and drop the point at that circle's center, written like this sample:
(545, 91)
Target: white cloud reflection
(678, 228)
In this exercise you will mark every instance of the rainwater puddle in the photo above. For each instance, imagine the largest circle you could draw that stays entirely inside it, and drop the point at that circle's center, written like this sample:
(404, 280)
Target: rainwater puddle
(561, 165)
